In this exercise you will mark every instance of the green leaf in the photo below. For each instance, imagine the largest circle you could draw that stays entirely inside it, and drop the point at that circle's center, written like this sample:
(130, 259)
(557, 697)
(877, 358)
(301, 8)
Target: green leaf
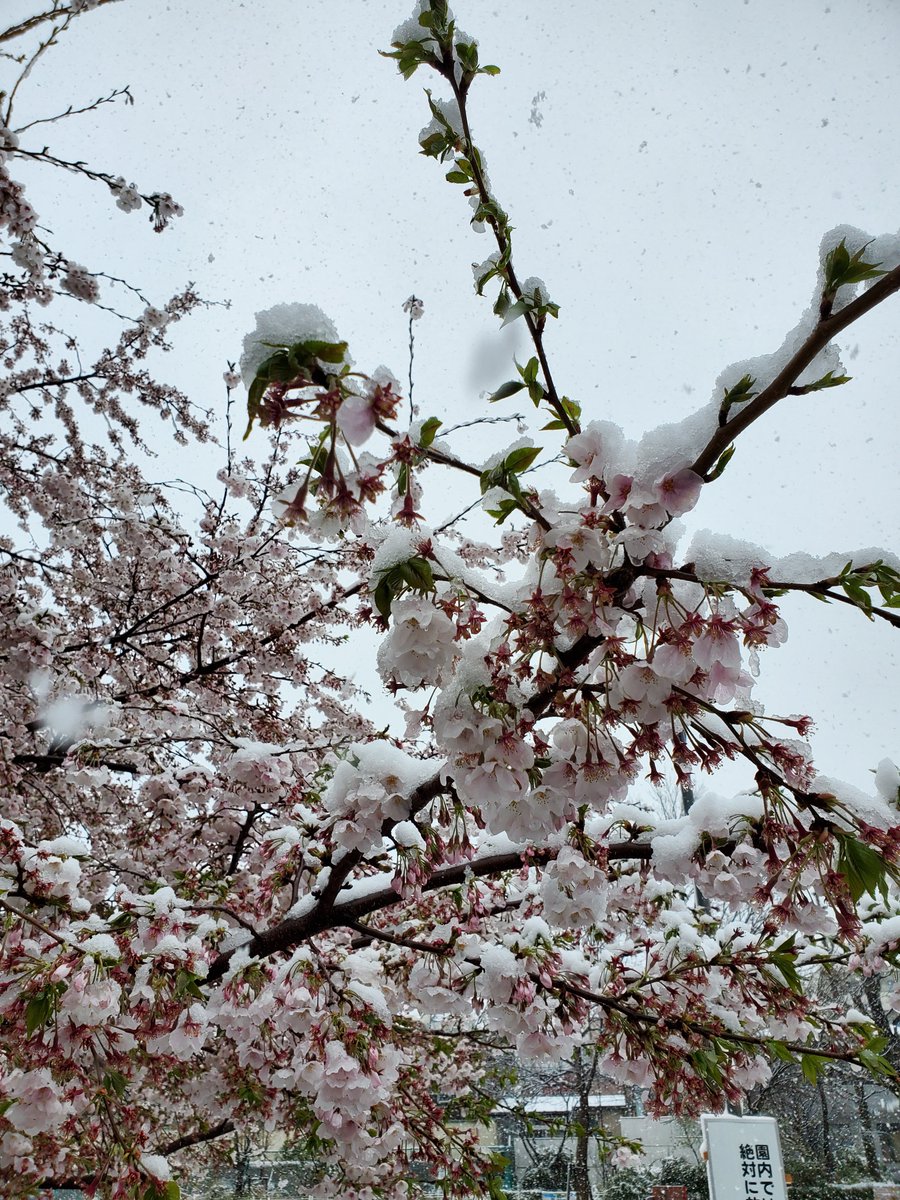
(467, 53)
(503, 510)
(489, 70)
(186, 985)
(724, 459)
(162, 1191)
(115, 1081)
(739, 394)
(42, 1006)
(458, 177)
(786, 967)
(506, 390)
(842, 268)
(417, 574)
(255, 393)
(428, 431)
(384, 595)
(520, 460)
(827, 381)
(706, 1064)
(780, 1051)
(863, 867)
(491, 478)
(876, 1063)
(812, 1067)
(37, 1013)
(514, 312)
(330, 352)
(530, 370)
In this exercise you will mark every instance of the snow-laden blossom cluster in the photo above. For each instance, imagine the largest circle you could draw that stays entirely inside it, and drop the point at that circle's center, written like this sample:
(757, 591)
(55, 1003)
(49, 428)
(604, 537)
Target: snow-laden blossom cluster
(232, 902)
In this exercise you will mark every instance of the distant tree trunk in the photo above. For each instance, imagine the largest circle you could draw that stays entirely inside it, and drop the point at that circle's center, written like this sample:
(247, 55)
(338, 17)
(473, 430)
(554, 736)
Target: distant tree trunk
(870, 1149)
(827, 1147)
(872, 991)
(242, 1180)
(583, 1080)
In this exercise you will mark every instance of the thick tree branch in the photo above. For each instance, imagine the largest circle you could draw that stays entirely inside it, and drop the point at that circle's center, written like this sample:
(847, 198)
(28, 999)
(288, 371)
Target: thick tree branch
(333, 913)
(780, 386)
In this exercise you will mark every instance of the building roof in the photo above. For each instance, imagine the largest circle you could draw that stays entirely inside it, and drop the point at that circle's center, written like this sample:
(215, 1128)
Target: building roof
(559, 1104)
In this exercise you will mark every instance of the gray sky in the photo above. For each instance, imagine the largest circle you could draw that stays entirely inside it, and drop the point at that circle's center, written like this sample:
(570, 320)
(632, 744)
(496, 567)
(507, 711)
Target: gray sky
(669, 168)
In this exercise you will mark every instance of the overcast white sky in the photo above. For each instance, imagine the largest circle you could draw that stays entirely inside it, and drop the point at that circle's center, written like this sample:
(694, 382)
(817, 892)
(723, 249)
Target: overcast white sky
(670, 169)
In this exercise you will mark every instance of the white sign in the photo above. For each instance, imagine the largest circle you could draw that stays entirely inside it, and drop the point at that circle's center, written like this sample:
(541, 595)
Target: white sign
(743, 1158)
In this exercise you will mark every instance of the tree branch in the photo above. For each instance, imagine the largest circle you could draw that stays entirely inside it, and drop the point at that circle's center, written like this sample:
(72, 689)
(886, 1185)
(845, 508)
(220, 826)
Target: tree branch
(52, 14)
(780, 386)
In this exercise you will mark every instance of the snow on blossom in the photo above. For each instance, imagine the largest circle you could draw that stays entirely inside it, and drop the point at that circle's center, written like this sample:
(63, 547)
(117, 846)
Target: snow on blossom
(407, 835)
(283, 325)
(624, 1157)
(90, 1002)
(55, 874)
(574, 891)
(37, 1106)
(395, 545)
(876, 810)
(887, 781)
(593, 450)
(418, 647)
(718, 556)
(259, 765)
(370, 785)
(675, 841)
(156, 1167)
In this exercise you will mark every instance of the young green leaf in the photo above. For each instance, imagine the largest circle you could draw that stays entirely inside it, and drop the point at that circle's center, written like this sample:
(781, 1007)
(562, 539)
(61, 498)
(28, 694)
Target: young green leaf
(828, 380)
(514, 312)
(724, 459)
(739, 394)
(863, 867)
(842, 268)
(812, 1067)
(520, 460)
(428, 431)
(506, 390)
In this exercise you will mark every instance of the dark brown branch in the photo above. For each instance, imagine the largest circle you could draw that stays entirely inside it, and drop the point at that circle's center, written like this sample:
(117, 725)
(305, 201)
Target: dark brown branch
(330, 913)
(780, 386)
(824, 588)
(241, 840)
(534, 330)
(49, 762)
(639, 1016)
(52, 14)
(197, 1138)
